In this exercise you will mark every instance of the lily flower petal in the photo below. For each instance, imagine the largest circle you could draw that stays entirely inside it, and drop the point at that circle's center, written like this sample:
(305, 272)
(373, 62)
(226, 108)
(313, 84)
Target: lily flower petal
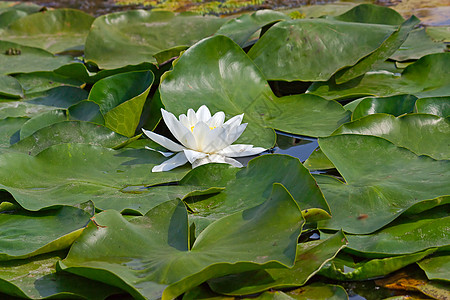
(163, 141)
(165, 154)
(192, 155)
(216, 158)
(216, 140)
(216, 120)
(234, 133)
(240, 150)
(178, 160)
(192, 117)
(203, 114)
(181, 133)
(235, 121)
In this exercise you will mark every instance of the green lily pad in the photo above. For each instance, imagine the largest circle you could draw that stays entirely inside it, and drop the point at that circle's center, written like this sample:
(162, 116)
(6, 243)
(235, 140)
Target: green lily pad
(436, 267)
(68, 174)
(241, 29)
(393, 105)
(259, 175)
(421, 133)
(439, 33)
(121, 99)
(200, 77)
(387, 48)
(315, 291)
(427, 77)
(417, 44)
(55, 30)
(29, 60)
(8, 127)
(58, 97)
(439, 106)
(133, 255)
(14, 109)
(382, 182)
(25, 234)
(318, 47)
(36, 278)
(27, 7)
(318, 161)
(343, 267)
(10, 87)
(10, 16)
(133, 37)
(40, 121)
(311, 257)
(68, 132)
(406, 235)
(42, 81)
(370, 13)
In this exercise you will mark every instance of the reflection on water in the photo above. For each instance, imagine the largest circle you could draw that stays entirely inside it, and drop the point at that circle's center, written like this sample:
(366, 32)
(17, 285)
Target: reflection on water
(294, 145)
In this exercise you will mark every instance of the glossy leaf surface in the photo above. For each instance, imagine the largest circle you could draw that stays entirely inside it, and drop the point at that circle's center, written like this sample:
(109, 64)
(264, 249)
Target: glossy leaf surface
(395, 105)
(436, 267)
(439, 106)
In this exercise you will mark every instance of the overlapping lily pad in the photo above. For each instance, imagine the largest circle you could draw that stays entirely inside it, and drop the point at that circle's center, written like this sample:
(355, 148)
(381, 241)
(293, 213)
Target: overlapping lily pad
(310, 258)
(42, 81)
(394, 105)
(427, 77)
(436, 267)
(382, 182)
(54, 30)
(423, 134)
(68, 174)
(36, 278)
(439, 106)
(154, 259)
(25, 234)
(216, 72)
(133, 37)
(8, 127)
(10, 87)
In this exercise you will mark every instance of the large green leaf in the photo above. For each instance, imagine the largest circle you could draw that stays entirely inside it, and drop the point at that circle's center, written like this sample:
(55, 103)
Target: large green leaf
(29, 60)
(133, 37)
(121, 99)
(436, 267)
(216, 72)
(314, 49)
(241, 29)
(311, 257)
(423, 134)
(343, 267)
(60, 97)
(429, 76)
(54, 30)
(417, 44)
(15, 109)
(68, 132)
(382, 181)
(150, 256)
(387, 48)
(67, 174)
(36, 278)
(370, 13)
(394, 105)
(408, 234)
(42, 81)
(252, 185)
(24, 234)
(439, 106)
(10, 87)
(42, 120)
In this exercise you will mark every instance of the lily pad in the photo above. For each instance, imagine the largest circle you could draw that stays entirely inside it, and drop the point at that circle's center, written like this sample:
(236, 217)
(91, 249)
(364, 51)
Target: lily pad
(55, 30)
(10, 87)
(25, 234)
(40, 121)
(318, 47)
(42, 81)
(10, 16)
(436, 267)
(311, 257)
(394, 105)
(382, 182)
(439, 106)
(315, 291)
(318, 161)
(133, 37)
(370, 13)
(241, 29)
(121, 99)
(133, 254)
(417, 44)
(439, 33)
(58, 97)
(427, 77)
(218, 73)
(14, 109)
(421, 133)
(261, 173)
(68, 174)
(36, 278)
(343, 267)
(406, 235)
(8, 127)
(67, 132)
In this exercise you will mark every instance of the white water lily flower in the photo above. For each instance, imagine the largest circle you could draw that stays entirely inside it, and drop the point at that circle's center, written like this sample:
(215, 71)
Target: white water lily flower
(204, 139)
